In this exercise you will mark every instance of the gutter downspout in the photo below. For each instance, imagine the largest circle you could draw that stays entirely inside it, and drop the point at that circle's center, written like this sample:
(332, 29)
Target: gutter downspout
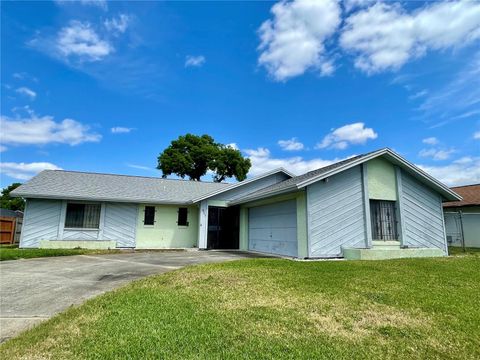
(461, 229)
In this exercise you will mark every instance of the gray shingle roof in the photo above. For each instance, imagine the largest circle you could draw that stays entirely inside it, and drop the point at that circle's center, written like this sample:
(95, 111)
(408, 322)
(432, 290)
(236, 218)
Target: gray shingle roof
(61, 184)
(291, 184)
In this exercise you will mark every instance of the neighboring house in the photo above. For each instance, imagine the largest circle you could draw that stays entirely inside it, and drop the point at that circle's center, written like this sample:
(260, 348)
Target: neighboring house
(376, 205)
(462, 218)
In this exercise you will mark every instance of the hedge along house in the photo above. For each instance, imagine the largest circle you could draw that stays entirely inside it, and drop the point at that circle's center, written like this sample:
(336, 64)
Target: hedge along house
(376, 205)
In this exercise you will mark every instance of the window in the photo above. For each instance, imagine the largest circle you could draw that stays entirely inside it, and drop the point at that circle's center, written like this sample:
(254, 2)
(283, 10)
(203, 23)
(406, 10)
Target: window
(384, 221)
(83, 216)
(182, 217)
(149, 217)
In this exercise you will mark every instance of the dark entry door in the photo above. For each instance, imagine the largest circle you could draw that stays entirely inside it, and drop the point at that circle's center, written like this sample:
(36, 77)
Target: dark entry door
(384, 220)
(223, 227)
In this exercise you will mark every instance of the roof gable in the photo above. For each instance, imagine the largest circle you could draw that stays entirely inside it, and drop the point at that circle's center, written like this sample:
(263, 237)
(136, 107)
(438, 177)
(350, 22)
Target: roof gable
(245, 183)
(301, 181)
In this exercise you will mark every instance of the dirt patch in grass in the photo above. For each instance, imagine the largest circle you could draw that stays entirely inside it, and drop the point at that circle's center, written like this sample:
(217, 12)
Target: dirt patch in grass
(354, 325)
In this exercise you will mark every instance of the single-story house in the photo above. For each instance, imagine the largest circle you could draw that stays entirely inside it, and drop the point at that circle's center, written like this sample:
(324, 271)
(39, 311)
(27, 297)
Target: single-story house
(376, 205)
(462, 218)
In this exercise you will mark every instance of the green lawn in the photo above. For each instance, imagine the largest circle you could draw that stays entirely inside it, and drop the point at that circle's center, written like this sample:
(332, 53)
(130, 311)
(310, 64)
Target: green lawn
(273, 309)
(11, 252)
(455, 250)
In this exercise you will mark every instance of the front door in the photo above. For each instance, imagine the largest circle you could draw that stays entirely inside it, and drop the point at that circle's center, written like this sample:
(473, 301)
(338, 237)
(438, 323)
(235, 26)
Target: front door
(223, 227)
(384, 220)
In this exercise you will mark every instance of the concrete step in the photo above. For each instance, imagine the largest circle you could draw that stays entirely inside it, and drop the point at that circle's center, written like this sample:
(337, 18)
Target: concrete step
(389, 244)
(383, 254)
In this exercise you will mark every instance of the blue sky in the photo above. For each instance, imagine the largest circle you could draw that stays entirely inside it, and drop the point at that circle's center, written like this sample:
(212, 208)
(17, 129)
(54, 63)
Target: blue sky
(105, 86)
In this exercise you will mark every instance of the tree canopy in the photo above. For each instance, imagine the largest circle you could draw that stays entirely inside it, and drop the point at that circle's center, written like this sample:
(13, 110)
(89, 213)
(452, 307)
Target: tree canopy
(191, 155)
(11, 203)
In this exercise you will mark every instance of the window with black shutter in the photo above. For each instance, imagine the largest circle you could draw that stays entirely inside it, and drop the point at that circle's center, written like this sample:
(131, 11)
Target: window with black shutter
(182, 217)
(149, 215)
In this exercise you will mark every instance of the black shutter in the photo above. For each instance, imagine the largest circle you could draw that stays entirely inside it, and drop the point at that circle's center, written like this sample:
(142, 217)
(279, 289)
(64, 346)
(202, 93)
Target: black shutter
(149, 217)
(182, 217)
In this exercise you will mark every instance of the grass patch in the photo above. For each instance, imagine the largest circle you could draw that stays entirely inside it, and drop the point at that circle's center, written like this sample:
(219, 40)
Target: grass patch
(456, 251)
(12, 252)
(275, 309)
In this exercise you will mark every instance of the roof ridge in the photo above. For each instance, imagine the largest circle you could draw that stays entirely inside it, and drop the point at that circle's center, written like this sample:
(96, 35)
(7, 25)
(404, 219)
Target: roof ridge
(462, 186)
(333, 163)
(137, 176)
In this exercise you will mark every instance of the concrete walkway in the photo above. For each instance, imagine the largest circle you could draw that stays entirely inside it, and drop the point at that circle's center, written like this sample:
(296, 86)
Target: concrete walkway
(33, 290)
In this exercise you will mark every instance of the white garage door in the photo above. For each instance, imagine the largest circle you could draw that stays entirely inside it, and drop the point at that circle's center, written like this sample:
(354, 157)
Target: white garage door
(273, 228)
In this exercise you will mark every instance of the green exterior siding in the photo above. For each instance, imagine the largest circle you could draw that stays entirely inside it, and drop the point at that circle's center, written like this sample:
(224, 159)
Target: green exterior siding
(165, 233)
(243, 228)
(381, 180)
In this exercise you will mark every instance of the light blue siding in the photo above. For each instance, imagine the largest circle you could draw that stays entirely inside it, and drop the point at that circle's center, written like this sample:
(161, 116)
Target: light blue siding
(120, 223)
(246, 189)
(335, 213)
(44, 220)
(273, 228)
(41, 222)
(422, 215)
(88, 234)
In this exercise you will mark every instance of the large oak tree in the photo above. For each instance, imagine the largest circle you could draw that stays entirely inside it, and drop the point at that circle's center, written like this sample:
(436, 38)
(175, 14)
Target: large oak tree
(192, 156)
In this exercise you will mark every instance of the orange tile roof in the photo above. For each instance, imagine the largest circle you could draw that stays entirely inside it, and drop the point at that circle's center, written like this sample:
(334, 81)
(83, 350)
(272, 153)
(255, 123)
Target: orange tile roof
(469, 193)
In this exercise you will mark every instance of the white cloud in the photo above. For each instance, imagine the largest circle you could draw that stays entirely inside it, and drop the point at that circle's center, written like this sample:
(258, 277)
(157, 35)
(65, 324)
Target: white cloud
(294, 40)
(262, 161)
(120, 130)
(386, 36)
(476, 135)
(430, 141)
(24, 171)
(3, 148)
(141, 167)
(24, 76)
(346, 135)
(463, 171)
(350, 5)
(27, 92)
(458, 99)
(81, 40)
(118, 24)
(102, 4)
(436, 154)
(418, 95)
(194, 61)
(291, 145)
(232, 145)
(36, 130)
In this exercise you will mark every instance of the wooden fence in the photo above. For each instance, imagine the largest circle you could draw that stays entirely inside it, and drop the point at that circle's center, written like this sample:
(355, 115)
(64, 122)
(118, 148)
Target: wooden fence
(10, 228)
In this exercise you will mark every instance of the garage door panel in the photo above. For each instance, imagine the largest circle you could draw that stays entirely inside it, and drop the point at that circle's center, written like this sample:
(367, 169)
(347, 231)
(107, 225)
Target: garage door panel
(275, 247)
(285, 207)
(280, 221)
(273, 228)
(288, 234)
(259, 234)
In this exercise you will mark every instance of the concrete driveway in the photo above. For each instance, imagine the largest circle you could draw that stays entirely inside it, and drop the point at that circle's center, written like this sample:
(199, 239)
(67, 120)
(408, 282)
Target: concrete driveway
(33, 290)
